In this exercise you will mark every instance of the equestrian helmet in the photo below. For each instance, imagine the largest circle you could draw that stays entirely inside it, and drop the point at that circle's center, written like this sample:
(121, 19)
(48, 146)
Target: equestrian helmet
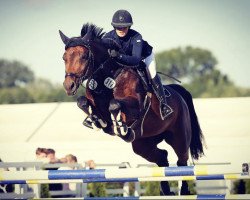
(122, 18)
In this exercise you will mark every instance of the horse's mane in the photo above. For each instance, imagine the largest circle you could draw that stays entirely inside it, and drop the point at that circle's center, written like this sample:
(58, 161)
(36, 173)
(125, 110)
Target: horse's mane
(96, 33)
(93, 30)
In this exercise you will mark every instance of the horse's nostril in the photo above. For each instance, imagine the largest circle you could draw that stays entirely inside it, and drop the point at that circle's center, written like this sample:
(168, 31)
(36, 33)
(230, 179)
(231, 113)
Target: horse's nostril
(72, 86)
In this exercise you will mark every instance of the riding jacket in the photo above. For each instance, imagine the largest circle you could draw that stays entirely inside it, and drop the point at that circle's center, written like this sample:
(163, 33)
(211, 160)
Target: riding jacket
(133, 48)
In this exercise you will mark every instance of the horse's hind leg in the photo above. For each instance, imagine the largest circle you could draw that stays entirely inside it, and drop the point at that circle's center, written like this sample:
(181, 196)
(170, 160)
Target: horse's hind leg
(147, 148)
(184, 186)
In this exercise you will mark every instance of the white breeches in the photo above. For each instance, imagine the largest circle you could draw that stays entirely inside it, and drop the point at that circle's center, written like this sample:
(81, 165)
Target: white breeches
(150, 65)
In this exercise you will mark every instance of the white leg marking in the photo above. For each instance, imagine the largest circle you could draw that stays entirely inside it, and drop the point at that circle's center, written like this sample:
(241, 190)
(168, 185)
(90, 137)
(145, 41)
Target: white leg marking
(124, 130)
(114, 123)
(90, 110)
(103, 124)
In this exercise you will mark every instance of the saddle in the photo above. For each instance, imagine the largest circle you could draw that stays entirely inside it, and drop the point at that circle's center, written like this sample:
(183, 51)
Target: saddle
(141, 71)
(143, 74)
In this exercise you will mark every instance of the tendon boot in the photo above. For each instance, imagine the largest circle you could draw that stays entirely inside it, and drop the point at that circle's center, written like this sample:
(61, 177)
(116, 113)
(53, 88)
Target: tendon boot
(165, 109)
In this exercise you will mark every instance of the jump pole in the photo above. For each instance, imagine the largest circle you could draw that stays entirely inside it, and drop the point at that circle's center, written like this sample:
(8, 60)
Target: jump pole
(119, 173)
(198, 197)
(143, 179)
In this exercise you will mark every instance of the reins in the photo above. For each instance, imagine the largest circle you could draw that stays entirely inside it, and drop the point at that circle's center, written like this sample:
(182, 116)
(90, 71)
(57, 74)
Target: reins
(169, 76)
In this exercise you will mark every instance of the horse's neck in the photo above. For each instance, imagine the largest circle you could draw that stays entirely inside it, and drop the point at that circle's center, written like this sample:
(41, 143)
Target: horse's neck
(107, 67)
(100, 53)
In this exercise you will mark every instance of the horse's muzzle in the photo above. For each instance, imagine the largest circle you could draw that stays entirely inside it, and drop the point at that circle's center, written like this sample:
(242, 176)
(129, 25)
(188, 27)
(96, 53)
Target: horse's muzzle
(70, 87)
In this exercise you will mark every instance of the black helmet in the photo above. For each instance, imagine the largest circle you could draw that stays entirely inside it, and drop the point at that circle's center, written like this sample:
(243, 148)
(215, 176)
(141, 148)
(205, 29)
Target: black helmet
(122, 18)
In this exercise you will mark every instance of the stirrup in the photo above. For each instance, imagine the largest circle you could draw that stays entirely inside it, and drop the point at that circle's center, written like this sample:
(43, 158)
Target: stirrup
(88, 123)
(165, 111)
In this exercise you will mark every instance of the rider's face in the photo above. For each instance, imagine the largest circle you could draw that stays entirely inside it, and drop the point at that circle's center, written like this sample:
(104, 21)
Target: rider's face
(121, 32)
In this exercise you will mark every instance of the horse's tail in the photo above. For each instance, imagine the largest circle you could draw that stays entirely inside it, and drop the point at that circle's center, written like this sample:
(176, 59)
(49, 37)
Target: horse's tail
(196, 146)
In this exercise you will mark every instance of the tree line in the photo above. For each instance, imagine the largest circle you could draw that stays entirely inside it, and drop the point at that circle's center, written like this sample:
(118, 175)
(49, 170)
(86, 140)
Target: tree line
(195, 67)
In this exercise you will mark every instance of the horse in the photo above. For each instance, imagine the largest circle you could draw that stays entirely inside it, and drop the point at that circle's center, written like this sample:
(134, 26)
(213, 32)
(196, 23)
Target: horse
(117, 101)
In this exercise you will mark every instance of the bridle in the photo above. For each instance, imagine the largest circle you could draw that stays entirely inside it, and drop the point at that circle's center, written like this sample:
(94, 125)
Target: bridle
(83, 76)
(86, 74)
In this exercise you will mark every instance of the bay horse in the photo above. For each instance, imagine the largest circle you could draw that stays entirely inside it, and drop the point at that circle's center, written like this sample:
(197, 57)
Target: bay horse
(118, 102)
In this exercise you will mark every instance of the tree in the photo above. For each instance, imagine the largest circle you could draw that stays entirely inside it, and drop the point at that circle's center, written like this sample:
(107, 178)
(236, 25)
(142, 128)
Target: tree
(152, 188)
(15, 95)
(196, 68)
(187, 62)
(43, 90)
(19, 85)
(14, 73)
(97, 189)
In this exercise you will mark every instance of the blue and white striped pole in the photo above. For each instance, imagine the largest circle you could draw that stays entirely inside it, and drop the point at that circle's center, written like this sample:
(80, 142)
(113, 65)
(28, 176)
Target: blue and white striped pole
(142, 179)
(118, 173)
(198, 197)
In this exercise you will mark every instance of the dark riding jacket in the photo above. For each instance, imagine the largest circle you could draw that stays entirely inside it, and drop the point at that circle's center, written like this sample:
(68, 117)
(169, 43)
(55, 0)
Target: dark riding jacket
(133, 48)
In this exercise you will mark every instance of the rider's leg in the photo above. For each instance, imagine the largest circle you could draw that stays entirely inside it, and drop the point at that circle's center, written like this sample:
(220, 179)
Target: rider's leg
(157, 86)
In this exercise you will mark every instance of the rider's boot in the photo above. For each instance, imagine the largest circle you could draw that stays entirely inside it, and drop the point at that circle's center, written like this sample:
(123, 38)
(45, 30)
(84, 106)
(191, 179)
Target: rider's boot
(165, 109)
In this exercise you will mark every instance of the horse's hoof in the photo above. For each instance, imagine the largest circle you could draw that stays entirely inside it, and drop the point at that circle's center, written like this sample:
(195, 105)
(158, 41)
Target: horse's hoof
(167, 194)
(185, 192)
(130, 136)
(165, 189)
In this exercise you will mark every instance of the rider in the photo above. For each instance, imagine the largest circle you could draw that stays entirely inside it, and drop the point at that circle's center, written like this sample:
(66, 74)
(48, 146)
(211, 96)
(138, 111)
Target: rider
(136, 50)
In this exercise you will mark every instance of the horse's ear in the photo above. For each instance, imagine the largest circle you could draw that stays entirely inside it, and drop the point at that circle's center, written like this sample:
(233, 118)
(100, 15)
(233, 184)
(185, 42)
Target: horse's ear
(64, 38)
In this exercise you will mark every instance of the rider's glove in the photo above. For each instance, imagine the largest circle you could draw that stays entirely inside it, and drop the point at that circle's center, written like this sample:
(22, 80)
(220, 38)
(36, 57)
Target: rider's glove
(113, 53)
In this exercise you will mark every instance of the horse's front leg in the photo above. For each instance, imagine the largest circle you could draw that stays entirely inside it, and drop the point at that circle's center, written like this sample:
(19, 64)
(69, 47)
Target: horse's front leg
(119, 119)
(92, 120)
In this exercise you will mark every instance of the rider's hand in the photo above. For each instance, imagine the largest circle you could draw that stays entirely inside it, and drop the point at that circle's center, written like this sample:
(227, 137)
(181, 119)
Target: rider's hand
(113, 53)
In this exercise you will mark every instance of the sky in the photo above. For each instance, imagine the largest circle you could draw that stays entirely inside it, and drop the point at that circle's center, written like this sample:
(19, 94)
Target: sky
(29, 30)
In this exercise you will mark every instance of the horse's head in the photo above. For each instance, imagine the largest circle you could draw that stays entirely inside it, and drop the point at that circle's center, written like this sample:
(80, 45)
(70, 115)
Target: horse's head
(79, 57)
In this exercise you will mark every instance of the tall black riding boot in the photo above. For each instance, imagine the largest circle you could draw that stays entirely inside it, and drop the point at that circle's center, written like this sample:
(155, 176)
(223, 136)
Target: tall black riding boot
(165, 109)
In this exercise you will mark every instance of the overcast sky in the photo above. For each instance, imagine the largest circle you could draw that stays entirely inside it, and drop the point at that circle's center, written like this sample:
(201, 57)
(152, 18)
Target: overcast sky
(29, 29)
